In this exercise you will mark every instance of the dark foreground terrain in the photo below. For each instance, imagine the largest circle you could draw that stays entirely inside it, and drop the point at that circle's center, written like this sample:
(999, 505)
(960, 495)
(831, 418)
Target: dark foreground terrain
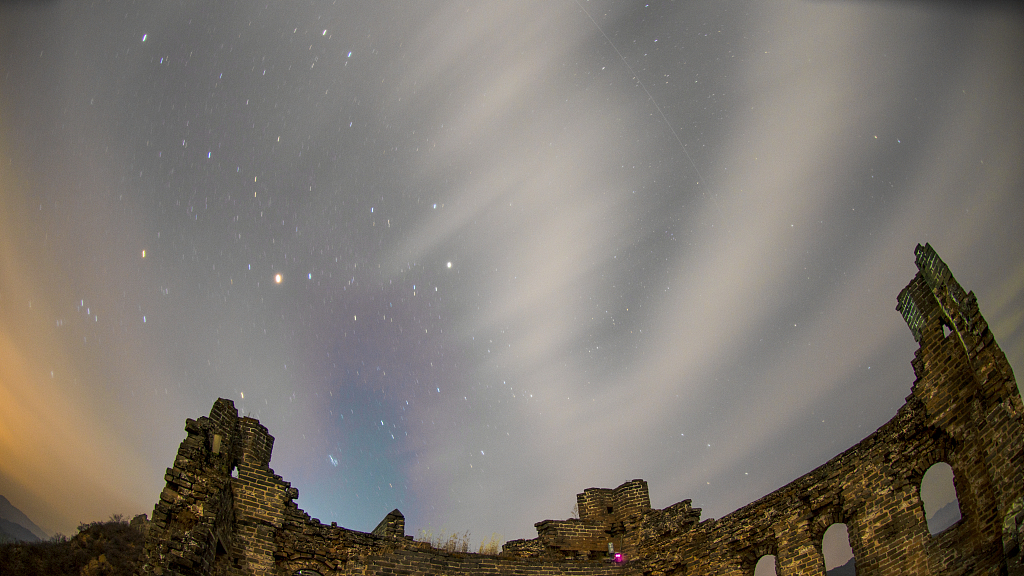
(109, 548)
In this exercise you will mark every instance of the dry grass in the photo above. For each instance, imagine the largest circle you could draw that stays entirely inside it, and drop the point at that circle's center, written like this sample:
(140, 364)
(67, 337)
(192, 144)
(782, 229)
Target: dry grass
(453, 542)
(492, 546)
(456, 542)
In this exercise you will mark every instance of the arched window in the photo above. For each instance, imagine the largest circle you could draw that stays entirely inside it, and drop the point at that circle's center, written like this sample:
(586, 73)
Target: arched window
(835, 547)
(765, 566)
(938, 495)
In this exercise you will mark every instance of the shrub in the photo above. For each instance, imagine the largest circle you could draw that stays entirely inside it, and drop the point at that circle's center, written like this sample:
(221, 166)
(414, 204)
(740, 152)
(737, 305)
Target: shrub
(99, 548)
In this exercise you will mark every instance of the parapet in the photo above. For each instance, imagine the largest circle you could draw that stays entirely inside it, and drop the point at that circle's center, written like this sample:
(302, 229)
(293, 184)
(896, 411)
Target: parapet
(629, 499)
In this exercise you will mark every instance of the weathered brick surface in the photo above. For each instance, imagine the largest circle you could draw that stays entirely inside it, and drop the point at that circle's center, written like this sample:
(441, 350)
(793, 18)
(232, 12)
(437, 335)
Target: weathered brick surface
(392, 525)
(224, 511)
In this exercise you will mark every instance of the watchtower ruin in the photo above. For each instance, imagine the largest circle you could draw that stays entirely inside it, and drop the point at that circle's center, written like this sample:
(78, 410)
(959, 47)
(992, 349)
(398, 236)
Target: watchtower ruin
(224, 511)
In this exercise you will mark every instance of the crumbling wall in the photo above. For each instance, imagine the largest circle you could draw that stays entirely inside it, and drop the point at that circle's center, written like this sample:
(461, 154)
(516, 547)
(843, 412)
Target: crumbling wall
(392, 525)
(306, 544)
(873, 488)
(608, 518)
(193, 525)
(574, 538)
(964, 409)
(432, 562)
(224, 511)
(615, 505)
(261, 499)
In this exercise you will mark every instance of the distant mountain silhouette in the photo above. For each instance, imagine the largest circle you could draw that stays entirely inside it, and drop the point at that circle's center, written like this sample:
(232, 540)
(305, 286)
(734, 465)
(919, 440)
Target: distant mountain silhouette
(14, 524)
(847, 569)
(11, 531)
(944, 517)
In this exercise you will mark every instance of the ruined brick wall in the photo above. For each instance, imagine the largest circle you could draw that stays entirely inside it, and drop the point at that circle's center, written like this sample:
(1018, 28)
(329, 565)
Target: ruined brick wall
(392, 525)
(306, 544)
(261, 498)
(968, 391)
(872, 487)
(224, 511)
(427, 562)
(575, 538)
(607, 517)
(964, 409)
(614, 505)
(192, 528)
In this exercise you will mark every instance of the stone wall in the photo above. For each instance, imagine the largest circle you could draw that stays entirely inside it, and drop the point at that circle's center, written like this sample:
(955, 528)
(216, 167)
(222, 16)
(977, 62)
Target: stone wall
(872, 487)
(224, 511)
(964, 409)
(608, 520)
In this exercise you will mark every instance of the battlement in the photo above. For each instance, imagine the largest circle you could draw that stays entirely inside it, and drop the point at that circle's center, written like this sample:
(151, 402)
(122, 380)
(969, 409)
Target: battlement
(257, 443)
(224, 511)
(629, 499)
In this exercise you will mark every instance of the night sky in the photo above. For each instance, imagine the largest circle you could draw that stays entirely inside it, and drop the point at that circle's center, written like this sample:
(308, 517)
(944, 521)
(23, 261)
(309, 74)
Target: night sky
(468, 259)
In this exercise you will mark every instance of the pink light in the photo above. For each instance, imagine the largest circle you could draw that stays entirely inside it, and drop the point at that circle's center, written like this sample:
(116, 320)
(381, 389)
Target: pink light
(618, 557)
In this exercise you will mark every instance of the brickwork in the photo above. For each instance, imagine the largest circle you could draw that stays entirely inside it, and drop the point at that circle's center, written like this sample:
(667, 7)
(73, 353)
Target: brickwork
(434, 562)
(576, 538)
(964, 409)
(392, 525)
(224, 511)
(193, 517)
(607, 517)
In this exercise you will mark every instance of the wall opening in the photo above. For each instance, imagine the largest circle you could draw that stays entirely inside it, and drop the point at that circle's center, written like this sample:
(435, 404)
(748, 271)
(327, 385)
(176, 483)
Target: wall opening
(221, 560)
(938, 496)
(835, 547)
(766, 566)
